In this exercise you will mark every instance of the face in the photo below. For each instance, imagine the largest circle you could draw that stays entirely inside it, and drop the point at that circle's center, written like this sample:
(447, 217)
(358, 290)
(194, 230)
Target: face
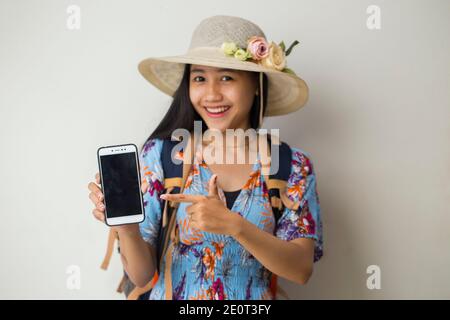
(222, 97)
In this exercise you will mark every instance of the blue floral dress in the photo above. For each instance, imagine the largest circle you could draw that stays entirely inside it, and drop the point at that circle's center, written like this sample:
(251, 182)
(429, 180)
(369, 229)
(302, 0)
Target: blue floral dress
(213, 266)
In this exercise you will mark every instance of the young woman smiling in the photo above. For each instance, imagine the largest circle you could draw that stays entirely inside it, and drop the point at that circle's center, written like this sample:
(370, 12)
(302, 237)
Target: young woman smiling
(229, 79)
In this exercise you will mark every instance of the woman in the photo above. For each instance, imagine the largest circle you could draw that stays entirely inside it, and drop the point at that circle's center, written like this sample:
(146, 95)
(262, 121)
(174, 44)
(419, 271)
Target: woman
(230, 77)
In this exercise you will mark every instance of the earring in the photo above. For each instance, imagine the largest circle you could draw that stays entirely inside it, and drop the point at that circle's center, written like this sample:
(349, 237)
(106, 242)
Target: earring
(257, 92)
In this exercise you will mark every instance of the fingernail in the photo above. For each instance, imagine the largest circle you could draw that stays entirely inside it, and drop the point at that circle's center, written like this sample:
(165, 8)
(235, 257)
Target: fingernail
(102, 206)
(163, 196)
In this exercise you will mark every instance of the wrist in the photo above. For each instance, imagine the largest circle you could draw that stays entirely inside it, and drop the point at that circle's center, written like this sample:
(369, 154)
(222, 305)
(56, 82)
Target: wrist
(129, 230)
(237, 225)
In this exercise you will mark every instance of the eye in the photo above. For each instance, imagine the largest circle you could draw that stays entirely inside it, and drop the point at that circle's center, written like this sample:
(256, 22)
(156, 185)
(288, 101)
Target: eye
(195, 79)
(201, 79)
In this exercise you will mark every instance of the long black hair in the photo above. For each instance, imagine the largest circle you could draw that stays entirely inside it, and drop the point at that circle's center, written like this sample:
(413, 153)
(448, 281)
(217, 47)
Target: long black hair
(182, 114)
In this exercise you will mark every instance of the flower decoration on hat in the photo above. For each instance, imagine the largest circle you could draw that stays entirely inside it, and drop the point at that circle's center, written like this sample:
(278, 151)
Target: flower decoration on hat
(269, 55)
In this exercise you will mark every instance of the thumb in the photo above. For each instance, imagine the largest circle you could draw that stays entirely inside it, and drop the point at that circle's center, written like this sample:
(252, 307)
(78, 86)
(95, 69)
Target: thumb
(213, 186)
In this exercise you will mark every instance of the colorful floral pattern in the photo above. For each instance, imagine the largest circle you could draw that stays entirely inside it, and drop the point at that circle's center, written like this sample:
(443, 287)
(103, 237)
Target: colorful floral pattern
(216, 267)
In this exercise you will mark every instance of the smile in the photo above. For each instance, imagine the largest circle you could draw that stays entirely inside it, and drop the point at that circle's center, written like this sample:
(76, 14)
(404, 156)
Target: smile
(217, 112)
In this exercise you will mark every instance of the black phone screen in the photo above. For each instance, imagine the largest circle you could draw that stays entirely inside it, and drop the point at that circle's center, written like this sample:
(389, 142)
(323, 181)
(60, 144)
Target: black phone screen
(121, 185)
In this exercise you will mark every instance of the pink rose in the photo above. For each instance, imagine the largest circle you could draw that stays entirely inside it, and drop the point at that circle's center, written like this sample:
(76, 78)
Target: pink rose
(258, 47)
(276, 59)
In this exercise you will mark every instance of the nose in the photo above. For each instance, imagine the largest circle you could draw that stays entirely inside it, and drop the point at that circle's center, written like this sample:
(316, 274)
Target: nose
(213, 92)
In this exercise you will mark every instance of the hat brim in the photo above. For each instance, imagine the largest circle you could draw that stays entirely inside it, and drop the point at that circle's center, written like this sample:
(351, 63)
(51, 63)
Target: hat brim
(287, 92)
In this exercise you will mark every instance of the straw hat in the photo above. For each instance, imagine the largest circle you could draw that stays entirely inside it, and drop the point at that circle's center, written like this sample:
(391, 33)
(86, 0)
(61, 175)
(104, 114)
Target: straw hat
(234, 43)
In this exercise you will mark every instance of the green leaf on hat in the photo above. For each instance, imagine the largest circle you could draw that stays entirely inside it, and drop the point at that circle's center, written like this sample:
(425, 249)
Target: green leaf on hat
(287, 70)
(291, 47)
(283, 46)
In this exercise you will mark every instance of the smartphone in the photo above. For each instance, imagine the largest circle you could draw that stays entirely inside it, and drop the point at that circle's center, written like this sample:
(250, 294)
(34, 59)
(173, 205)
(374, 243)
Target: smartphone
(120, 181)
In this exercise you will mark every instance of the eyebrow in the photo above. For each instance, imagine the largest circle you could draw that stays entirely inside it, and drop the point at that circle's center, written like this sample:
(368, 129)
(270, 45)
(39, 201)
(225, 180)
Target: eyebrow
(198, 70)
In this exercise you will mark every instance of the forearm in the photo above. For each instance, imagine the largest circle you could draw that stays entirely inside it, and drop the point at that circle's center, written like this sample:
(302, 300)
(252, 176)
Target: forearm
(137, 256)
(281, 257)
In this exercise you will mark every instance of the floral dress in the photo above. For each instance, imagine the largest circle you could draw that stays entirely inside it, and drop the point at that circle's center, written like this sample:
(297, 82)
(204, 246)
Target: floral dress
(214, 266)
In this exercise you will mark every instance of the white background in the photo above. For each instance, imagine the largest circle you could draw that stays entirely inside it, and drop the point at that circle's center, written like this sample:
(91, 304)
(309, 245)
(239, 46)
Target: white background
(376, 126)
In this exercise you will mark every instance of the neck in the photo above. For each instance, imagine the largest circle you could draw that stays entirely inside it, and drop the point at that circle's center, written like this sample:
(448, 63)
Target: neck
(233, 146)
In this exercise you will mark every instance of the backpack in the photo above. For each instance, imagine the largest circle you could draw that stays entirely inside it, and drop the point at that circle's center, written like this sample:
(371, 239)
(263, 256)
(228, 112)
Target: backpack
(175, 176)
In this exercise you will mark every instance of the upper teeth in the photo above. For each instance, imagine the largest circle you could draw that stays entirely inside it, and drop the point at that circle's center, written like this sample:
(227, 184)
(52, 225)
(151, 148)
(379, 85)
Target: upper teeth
(217, 110)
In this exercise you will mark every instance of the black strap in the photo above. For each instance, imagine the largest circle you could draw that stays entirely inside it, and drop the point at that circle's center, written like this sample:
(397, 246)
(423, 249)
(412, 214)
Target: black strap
(170, 170)
(284, 170)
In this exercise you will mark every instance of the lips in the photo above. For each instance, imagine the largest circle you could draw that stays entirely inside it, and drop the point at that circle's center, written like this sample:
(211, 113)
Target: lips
(217, 112)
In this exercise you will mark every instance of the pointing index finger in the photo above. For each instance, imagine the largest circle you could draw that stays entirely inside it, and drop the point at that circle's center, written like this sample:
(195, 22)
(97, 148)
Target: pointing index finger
(182, 197)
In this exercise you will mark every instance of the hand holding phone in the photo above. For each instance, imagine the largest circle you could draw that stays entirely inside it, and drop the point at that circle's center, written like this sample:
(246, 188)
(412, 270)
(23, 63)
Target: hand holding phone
(97, 198)
(121, 187)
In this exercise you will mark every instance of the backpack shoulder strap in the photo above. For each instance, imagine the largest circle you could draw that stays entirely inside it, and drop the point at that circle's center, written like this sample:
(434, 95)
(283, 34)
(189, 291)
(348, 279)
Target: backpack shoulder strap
(112, 237)
(171, 235)
(172, 171)
(175, 176)
(276, 182)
